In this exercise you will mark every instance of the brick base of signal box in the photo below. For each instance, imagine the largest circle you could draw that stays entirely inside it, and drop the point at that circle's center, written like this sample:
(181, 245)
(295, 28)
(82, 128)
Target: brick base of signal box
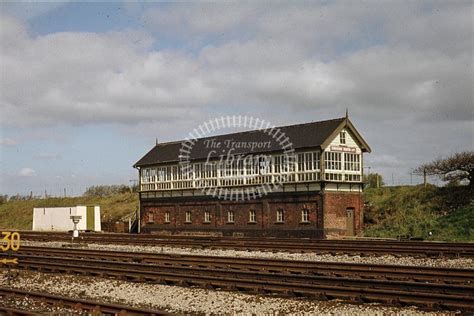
(327, 215)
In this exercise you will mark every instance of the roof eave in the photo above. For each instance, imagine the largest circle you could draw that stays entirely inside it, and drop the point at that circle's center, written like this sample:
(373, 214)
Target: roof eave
(215, 158)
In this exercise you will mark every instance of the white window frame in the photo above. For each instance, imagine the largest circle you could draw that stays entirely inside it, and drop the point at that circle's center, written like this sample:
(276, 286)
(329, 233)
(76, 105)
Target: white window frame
(230, 217)
(305, 216)
(252, 216)
(151, 217)
(353, 177)
(277, 164)
(308, 161)
(188, 217)
(280, 216)
(317, 160)
(167, 217)
(333, 160)
(207, 217)
(146, 175)
(331, 176)
(301, 161)
(264, 163)
(161, 174)
(342, 137)
(351, 162)
(255, 170)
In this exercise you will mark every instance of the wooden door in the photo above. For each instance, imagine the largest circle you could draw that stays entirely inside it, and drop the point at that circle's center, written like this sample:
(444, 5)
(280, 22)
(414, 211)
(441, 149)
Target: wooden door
(350, 222)
(90, 221)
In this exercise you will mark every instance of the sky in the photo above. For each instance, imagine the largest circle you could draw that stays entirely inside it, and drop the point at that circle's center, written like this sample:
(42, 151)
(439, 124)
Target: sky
(87, 88)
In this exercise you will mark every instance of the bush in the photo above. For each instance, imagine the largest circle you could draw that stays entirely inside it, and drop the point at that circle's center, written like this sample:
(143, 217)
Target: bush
(3, 199)
(19, 197)
(105, 190)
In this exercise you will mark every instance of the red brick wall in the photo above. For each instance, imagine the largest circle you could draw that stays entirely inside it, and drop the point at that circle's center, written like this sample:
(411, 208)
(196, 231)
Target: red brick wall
(292, 214)
(265, 209)
(335, 212)
(331, 216)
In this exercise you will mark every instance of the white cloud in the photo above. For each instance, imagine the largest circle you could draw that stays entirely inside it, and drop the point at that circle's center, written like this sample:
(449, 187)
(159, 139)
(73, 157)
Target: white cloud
(329, 28)
(302, 56)
(404, 70)
(8, 142)
(27, 172)
(93, 78)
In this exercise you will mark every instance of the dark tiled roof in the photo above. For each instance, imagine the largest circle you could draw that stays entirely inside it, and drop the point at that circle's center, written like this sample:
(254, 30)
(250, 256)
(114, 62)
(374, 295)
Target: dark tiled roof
(301, 135)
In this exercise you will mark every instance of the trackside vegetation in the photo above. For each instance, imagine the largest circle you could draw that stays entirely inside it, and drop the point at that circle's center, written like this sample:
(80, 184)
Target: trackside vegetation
(18, 213)
(428, 212)
(415, 211)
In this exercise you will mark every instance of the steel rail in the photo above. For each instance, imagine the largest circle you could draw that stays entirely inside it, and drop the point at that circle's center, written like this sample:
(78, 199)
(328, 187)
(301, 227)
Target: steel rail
(10, 311)
(427, 295)
(427, 249)
(74, 303)
(270, 239)
(369, 271)
(279, 239)
(259, 239)
(292, 248)
(61, 263)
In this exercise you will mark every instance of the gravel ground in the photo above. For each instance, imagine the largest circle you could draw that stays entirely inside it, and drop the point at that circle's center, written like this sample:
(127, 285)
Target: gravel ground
(463, 263)
(194, 301)
(35, 306)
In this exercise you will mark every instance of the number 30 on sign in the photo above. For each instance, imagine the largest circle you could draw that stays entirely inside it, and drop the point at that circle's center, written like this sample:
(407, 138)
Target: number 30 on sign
(10, 241)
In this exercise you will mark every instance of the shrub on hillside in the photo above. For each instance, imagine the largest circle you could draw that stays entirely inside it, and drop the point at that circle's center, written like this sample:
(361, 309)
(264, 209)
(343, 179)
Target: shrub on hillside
(105, 190)
(3, 199)
(19, 197)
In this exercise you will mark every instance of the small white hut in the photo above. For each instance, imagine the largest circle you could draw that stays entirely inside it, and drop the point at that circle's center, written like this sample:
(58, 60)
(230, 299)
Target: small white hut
(59, 218)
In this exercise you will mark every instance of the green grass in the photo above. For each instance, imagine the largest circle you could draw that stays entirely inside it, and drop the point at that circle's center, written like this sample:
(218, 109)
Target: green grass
(19, 214)
(447, 212)
(457, 226)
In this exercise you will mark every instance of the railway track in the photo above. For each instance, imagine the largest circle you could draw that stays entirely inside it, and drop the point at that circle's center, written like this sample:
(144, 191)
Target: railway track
(367, 271)
(353, 247)
(94, 307)
(308, 279)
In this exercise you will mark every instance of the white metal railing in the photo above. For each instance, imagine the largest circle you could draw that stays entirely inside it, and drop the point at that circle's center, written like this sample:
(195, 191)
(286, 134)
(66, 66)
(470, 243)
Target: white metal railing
(305, 168)
(296, 177)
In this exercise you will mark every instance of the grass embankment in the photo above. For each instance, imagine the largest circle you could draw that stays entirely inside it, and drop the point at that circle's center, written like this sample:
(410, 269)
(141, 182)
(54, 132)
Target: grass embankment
(19, 214)
(447, 212)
